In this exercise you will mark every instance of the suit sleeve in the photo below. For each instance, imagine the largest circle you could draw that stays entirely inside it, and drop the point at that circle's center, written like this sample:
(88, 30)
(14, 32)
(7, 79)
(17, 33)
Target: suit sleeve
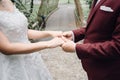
(79, 34)
(107, 49)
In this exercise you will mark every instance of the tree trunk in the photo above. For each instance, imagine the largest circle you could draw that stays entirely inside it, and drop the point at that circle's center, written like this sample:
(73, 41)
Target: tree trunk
(79, 11)
(46, 7)
(68, 1)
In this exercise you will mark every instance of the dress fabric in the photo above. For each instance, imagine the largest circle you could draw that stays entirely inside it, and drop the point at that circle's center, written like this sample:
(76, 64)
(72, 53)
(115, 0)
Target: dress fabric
(24, 66)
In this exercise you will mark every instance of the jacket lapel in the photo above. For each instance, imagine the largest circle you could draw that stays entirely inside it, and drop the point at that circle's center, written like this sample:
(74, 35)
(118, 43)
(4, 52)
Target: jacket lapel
(94, 9)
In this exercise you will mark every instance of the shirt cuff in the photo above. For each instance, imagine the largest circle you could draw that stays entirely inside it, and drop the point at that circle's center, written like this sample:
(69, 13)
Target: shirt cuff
(73, 37)
(75, 48)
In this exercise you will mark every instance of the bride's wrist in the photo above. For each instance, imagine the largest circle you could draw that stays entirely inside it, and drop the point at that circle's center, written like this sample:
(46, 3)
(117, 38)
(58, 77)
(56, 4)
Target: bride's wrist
(49, 33)
(48, 44)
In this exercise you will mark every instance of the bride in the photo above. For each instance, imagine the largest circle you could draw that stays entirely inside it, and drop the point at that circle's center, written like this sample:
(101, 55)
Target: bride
(18, 57)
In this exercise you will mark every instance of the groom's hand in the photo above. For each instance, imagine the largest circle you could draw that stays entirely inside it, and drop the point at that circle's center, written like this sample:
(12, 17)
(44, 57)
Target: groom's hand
(68, 35)
(69, 46)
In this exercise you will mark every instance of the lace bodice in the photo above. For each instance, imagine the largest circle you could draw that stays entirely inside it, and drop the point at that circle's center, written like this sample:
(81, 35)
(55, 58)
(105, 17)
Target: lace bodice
(14, 25)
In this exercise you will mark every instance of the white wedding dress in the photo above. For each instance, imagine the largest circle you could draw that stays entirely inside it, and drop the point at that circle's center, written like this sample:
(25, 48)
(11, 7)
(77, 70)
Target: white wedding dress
(23, 66)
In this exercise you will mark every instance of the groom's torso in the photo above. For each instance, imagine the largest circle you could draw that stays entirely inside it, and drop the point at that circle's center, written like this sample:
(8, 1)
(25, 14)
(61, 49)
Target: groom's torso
(102, 22)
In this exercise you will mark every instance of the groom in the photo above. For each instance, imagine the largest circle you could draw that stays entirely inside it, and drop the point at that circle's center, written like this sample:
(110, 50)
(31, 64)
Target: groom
(100, 51)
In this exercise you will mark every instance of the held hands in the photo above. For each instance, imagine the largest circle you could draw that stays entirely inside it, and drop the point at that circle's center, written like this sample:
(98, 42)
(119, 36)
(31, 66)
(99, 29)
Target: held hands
(63, 39)
(55, 42)
(68, 46)
(68, 35)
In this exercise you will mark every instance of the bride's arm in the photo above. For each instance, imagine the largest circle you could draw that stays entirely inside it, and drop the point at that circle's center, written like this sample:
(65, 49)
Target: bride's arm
(34, 34)
(9, 48)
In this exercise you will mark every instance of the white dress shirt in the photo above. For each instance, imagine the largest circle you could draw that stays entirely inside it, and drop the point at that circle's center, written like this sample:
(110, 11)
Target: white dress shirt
(97, 2)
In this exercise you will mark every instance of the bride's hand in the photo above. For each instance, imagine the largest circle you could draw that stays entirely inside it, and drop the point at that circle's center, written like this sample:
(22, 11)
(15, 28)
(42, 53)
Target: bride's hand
(55, 42)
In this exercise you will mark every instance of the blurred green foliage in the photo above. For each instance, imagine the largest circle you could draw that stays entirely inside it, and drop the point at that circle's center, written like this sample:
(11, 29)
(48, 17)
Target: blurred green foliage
(89, 2)
(34, 11)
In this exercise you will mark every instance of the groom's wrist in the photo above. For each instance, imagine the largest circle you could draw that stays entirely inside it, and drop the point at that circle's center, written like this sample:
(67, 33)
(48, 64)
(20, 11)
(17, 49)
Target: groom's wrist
(73, 37)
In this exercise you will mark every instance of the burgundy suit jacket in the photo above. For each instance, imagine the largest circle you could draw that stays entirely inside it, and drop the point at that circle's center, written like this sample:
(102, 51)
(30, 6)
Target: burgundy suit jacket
(100, 53)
